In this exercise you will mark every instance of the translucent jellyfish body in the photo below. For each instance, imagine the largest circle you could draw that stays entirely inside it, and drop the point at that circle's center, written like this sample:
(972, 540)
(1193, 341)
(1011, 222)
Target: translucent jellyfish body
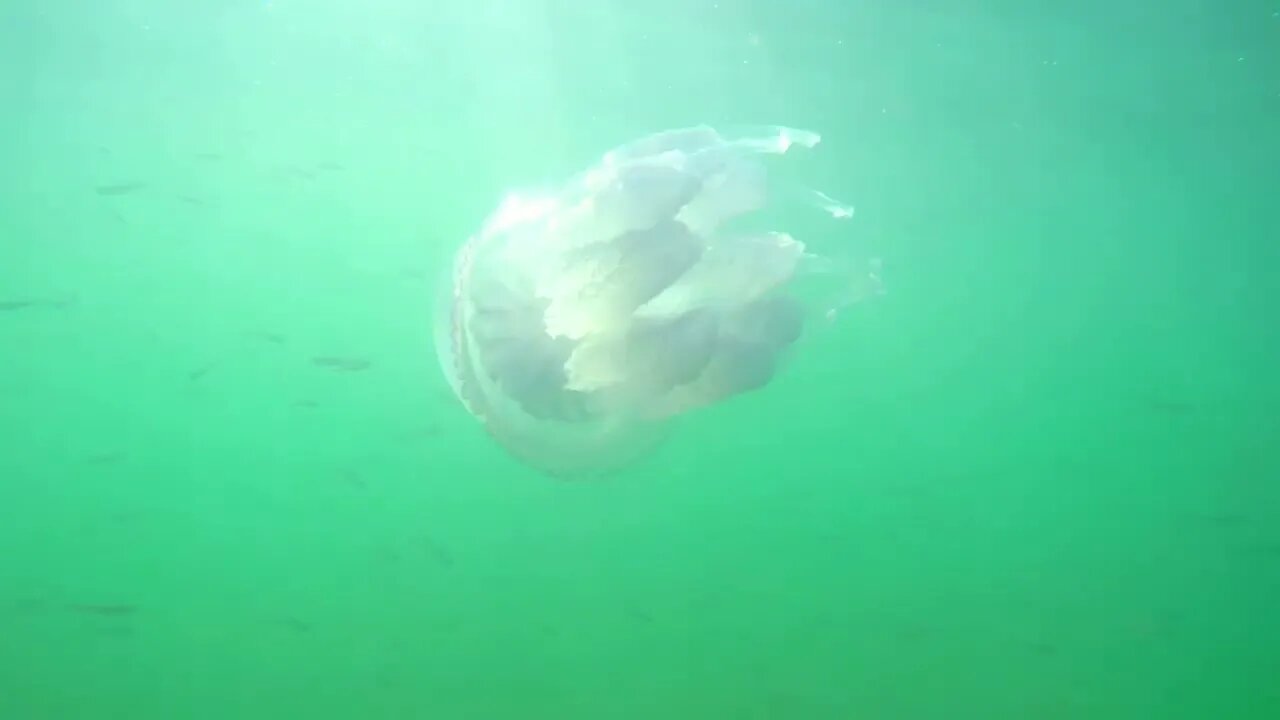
(578, 322)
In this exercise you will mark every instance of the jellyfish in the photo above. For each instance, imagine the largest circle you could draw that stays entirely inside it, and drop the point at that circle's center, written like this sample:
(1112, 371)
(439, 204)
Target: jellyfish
(580, 321)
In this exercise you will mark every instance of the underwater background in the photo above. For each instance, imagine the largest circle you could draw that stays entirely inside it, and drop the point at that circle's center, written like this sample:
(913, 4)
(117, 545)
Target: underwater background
(1039, 478)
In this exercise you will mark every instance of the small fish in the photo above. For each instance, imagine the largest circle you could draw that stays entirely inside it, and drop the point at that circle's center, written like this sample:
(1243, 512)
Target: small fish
(304, 403)
(105, 458)
(1266, 550)
(104, 610)
(1167, 406)
(1225, 519)
(201, 371)
(1043, 649)
(295, 172)
(341, 364)
(32, 304)
(423, 433)
(387, 554)
(27, 604)
(295, 624)
(332, 166)
(438, 552)
(353, 477)
(639, 614)
(192, 200)
(123, 188)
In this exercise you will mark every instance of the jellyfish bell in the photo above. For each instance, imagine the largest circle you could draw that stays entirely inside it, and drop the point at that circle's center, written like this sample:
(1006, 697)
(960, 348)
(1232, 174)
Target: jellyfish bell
(580, 321)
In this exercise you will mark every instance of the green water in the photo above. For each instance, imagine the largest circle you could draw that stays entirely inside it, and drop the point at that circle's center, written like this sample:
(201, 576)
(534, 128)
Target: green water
(1038, 479)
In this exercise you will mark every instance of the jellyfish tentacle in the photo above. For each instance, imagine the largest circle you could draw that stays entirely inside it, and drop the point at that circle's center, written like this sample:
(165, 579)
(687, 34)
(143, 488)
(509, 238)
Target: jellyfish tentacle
(684, 140)
(736, 186)
(774, 139)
